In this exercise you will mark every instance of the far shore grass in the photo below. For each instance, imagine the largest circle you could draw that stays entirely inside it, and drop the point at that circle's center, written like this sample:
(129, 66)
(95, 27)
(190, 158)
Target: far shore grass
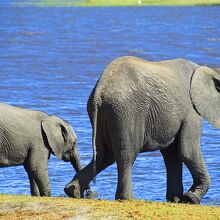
(91, 3)
(27, 207)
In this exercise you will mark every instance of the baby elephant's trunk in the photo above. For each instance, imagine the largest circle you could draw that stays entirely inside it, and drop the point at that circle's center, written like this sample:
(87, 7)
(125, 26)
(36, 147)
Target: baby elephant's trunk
(75, 160)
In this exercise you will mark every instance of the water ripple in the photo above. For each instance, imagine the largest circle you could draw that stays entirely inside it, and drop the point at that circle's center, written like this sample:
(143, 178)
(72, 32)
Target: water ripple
(50, 59)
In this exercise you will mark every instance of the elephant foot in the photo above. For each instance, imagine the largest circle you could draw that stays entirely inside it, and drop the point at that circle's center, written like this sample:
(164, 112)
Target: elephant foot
(90, 194)
(73, 190)
(189, 198)
(175, 199)
(123, 197)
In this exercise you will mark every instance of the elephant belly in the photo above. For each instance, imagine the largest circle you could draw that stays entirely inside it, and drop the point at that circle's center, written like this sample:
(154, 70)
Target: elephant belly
(5, 162)
(11, 158)
(152, 145)
(160, 136)
(13, 147)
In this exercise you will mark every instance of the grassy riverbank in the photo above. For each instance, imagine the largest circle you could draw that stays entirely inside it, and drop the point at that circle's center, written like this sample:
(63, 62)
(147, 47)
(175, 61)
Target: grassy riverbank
(26, 207)
(147, 2)
(66, 3)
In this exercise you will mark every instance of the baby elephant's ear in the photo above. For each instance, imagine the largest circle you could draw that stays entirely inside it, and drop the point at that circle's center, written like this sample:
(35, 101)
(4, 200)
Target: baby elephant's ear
(205, 94)
(52, 128)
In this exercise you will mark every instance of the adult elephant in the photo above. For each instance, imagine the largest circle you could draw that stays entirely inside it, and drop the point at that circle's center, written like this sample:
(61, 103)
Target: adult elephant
(28, 137)
(139, 106)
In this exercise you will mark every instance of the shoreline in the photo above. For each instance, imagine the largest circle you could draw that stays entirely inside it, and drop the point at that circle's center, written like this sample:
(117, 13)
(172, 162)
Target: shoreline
(27, 207)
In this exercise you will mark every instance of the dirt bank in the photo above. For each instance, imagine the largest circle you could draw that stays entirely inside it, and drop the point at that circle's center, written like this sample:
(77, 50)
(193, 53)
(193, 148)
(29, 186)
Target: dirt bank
(27, 207)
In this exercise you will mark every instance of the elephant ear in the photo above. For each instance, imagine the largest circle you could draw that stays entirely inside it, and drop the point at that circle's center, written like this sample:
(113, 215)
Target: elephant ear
(55, 134)
(205, 94)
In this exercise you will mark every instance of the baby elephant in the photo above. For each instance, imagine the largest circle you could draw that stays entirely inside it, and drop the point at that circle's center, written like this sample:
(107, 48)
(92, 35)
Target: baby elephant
(28, 137)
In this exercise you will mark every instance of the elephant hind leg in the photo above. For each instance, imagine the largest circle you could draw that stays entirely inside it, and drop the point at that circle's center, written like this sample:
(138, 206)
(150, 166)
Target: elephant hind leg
(82, 179)
(125, 155)
(124, 187)
(173, 165)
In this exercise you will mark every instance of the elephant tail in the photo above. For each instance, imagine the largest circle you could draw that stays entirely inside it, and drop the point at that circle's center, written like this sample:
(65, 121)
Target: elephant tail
(93, 106)
(94, 132)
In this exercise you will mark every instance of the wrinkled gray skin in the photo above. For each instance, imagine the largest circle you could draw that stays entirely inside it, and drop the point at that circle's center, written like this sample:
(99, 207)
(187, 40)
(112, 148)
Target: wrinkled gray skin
(139, 106)
(28, 138)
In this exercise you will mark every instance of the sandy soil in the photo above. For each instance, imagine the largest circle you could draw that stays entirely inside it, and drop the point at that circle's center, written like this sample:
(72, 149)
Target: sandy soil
(27, 207)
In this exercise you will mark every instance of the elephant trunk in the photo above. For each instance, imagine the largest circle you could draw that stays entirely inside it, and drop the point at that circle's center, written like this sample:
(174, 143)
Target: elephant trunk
(73, 188)
(75, 160)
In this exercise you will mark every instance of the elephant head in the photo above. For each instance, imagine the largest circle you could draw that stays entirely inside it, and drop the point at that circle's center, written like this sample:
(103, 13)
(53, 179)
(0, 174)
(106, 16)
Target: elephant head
(205, 93)
(60, 138)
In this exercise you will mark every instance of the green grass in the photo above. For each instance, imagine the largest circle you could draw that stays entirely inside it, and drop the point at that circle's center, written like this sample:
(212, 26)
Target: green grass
(26, 207)
(66, 3)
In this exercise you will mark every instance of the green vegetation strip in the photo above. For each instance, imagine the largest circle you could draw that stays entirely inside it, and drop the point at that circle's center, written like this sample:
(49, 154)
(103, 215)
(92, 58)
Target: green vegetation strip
(66, 3)
(26, 207)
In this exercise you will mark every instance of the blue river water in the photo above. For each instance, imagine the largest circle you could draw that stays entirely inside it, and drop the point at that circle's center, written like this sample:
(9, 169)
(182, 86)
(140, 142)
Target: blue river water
(51, 57)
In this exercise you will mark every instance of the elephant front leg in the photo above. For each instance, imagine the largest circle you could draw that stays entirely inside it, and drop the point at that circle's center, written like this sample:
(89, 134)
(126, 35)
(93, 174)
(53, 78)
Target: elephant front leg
(34, 188)
(38, 175)
(42, 180)
(201, 179)
(191, 155)
(39, 181)
(173, 165)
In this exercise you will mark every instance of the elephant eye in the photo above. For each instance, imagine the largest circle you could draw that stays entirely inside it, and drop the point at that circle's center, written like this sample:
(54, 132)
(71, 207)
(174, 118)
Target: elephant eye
(217, 84)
